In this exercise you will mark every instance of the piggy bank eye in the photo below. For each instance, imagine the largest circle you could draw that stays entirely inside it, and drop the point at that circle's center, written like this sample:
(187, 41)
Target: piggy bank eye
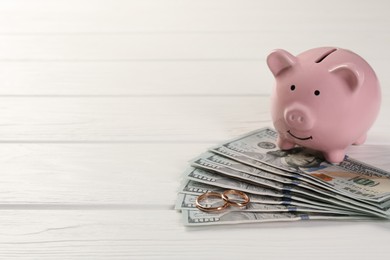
(292, 87)
(317, 92)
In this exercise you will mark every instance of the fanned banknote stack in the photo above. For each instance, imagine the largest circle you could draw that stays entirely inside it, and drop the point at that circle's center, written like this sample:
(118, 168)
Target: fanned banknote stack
(292, 185)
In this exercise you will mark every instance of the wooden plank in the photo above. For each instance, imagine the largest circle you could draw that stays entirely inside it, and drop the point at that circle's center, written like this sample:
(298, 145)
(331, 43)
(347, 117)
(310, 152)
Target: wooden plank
(206, 78)
(181, 46)
(136, 176)
(82, 175)
(373, 154)
(136, 78)
(78, 173)
(48, 16)
(130, 119)
(142, 119)
(159, 234)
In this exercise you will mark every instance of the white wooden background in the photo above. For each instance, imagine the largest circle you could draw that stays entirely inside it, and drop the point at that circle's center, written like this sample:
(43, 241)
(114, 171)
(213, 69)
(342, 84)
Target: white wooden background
(103, 102)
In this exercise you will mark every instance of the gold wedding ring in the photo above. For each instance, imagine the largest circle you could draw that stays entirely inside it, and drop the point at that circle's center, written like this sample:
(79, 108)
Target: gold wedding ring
(224, 197)
(207, 195)
(236, 203)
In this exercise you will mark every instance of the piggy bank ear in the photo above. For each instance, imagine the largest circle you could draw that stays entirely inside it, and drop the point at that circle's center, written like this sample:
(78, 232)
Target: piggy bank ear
(350, 74)
(280, 60)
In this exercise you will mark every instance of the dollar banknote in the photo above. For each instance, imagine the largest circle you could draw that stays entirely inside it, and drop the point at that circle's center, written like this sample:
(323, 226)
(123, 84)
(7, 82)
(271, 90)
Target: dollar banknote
(352, 178)
(214, 179)
(267, 179)
(293, 185)
(245, 164)
(231, 168)
(197, 188)
(245, 160)
(199, 218)
(229, 164)
(187, 202)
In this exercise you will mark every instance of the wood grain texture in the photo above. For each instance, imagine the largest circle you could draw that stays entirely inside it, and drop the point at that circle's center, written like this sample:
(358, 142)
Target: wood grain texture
(206, 78)
(142, 119)
(180, 46)
(158, 234)
(153, 78)
(103, 102)
(85, 176)
(116, 16)
(132, 176)
(135, 119)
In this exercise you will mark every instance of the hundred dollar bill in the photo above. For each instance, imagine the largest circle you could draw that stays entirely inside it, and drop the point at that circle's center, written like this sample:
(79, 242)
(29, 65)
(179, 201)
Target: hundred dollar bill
(222, 162)
(225, 165)
(250, 166)
(267, 179)
(228, 183)
(245, 160)
(350, 177)
(315, 193)
(187, 201)
(197, 188)
(303, 189)
(354, 177)
(199, 218)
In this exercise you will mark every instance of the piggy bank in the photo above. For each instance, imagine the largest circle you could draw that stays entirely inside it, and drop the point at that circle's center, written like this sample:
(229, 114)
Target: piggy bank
(325, 99)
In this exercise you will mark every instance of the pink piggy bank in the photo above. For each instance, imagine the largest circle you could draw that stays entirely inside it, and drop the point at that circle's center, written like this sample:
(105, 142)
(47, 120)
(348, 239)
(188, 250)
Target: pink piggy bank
(325, 99)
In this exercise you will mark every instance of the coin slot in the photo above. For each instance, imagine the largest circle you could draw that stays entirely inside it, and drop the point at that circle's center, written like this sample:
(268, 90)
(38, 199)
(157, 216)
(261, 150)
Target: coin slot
(326, 54)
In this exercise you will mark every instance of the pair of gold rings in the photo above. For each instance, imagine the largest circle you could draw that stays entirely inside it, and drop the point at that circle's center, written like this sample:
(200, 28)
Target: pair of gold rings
(244, 200)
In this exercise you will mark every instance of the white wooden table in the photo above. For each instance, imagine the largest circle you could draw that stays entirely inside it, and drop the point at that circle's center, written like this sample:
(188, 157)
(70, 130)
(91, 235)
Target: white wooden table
(102, 103)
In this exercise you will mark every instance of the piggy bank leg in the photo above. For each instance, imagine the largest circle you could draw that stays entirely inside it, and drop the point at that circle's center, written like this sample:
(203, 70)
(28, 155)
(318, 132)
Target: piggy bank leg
(335, 156)
(361, 140)
(284, 144)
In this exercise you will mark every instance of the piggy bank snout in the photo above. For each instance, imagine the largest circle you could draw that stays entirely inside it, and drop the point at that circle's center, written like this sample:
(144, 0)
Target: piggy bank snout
(299, 117)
